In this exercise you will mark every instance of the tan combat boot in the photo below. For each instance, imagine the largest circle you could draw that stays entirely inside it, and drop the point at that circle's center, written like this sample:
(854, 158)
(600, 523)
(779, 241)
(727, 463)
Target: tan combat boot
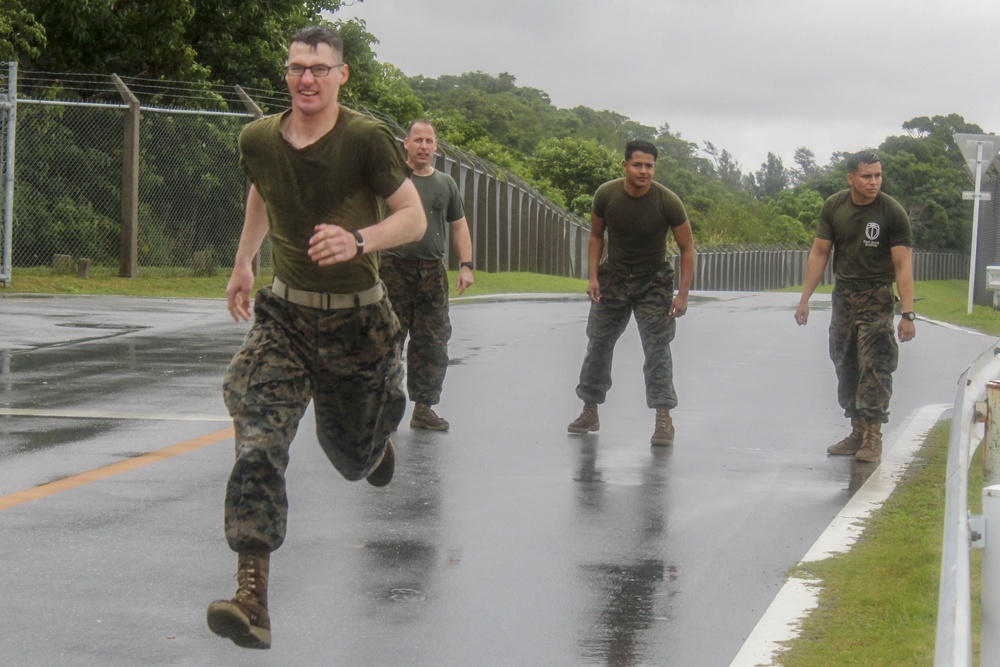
(425, 418)
(663, 432)
(244, 618)
(850, 445)
(871, 444)
(587, 421)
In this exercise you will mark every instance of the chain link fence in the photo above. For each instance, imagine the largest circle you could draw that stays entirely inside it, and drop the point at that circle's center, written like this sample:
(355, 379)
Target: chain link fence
(191, 191)
(69, 200)
(74, 188)
(64, 203)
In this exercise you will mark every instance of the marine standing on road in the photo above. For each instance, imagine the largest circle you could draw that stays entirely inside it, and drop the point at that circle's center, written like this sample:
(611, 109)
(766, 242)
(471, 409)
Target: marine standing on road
(869, 234)
(637, 213)
(417, 280)
(320, 176)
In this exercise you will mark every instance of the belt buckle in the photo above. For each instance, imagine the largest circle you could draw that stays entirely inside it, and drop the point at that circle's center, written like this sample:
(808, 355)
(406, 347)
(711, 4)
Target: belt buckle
(326, 301)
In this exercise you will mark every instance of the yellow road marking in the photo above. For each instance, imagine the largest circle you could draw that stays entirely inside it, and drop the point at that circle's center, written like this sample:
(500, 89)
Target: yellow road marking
(98, 474)
(106, 414)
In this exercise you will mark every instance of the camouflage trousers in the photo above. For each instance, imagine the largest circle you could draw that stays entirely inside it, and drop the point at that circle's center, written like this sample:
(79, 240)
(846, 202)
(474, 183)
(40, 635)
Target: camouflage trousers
(649, 295)
(419, 297)
(347, 362)
(864, 351)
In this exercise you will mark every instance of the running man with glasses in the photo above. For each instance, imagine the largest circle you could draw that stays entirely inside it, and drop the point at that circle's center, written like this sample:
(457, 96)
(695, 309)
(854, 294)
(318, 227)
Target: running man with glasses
(321, 176)
(869, 235)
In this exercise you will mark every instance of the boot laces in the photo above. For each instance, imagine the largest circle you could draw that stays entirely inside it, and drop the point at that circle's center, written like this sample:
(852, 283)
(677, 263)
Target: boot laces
(246, 579)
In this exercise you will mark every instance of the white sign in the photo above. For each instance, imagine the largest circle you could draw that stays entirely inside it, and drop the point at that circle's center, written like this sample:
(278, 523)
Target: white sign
(969, 145)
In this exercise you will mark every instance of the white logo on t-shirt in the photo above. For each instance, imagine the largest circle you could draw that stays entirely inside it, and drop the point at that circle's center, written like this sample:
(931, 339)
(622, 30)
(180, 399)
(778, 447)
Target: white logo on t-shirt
(872, 230)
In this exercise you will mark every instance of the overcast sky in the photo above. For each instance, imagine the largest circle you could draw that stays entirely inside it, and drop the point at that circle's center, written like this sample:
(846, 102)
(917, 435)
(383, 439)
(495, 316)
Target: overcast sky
(750, 77)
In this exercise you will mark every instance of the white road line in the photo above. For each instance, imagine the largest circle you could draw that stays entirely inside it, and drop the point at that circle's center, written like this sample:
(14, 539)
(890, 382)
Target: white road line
(103, 414)
(783, 619)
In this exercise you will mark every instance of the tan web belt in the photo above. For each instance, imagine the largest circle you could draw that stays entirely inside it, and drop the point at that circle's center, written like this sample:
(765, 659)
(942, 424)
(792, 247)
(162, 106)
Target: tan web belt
(325, 300)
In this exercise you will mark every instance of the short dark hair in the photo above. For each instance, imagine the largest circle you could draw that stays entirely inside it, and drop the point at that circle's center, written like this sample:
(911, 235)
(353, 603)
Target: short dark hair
(314, 35)
(642, 146)
(421, 121)
(866, 156)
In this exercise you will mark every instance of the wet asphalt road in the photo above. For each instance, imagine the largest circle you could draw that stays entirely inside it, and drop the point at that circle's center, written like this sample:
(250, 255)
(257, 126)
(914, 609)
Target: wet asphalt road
(505, 541)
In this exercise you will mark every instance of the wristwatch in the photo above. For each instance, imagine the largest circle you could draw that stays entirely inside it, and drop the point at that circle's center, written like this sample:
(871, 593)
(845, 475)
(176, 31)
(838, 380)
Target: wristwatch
(466, 265)
(360, 240)
(908, 315)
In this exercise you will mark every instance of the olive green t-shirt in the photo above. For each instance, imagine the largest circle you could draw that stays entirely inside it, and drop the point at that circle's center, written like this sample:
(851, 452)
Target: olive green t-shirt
(864, 236)
(343, 179)
(443, 205)
(637, 226)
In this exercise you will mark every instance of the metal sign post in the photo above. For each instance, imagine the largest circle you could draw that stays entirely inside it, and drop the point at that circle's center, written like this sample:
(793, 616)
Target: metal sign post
(979, 151)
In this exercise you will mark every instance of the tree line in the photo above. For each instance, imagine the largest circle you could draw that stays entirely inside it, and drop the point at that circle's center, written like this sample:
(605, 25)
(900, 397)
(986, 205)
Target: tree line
(564, 153)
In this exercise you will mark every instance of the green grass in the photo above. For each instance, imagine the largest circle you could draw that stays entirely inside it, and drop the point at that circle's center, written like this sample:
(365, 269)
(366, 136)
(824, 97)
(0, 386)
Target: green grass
(878, 602)
(180, 283)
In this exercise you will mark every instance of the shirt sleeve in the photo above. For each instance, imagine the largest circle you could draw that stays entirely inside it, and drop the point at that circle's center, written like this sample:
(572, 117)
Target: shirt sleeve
(387, 168)
(901, 232)
(456, 207)
(824, 230)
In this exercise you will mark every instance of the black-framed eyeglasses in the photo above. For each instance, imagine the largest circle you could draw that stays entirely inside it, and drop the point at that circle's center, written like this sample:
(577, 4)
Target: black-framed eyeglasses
(317, 70)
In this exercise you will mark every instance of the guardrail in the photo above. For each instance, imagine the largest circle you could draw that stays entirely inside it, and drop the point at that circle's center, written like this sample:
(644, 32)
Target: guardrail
(953, 645)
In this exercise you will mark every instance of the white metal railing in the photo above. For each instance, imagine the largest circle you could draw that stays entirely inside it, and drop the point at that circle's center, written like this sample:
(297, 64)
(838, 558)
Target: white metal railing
(953, 647)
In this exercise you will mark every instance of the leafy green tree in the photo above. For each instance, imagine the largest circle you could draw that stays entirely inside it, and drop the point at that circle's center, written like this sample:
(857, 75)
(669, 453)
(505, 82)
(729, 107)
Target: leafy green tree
(246, 43)
(576, 167)
(926, 172)
(456, 128)
(728, 169)
(807, 168)
(222, 41)
(739, 219)
(378, 86)
(606, 127)
(801, 204)
(679, 167)
(135, 39)
(770, 179)
(21, 36)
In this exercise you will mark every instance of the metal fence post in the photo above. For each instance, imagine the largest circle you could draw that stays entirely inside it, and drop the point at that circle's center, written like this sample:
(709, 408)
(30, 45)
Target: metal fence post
(128, 262)
(10, 110)
(991, 443)
(989, 647)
